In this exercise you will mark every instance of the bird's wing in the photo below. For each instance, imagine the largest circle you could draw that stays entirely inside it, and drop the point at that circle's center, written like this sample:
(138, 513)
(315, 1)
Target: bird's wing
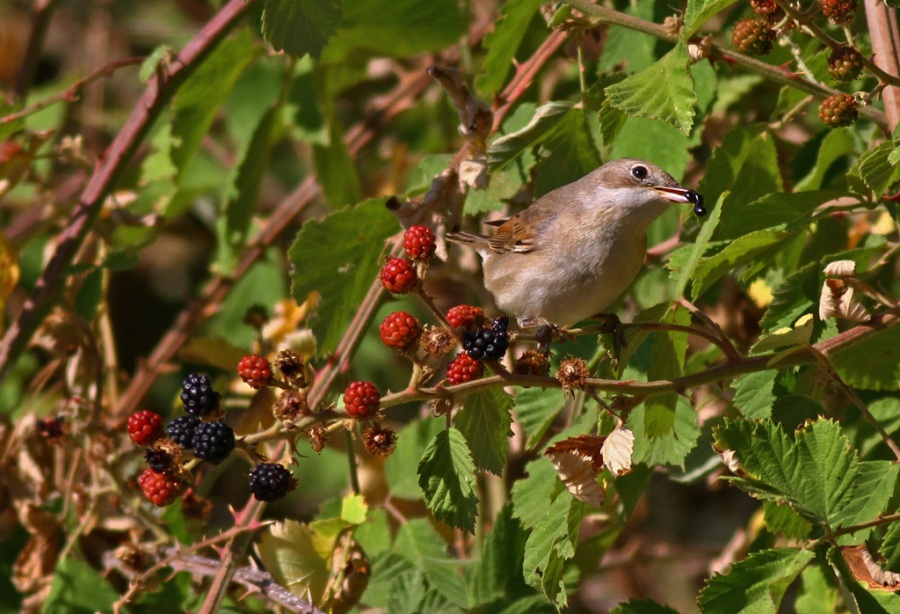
(514, 235)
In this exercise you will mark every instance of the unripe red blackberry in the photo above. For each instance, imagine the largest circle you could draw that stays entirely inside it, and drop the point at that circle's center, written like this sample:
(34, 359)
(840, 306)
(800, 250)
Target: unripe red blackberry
(845, 63)
(418, 241)
(465, 316)
(765, 8)
(144, 427)
(361, 399)
(270, 482)
(839, 110)
(398, 275)
(213, 441)
(400, 331)
(255, 371)
(753, 36)
(463, 369)
(161, 487)
(840, 12)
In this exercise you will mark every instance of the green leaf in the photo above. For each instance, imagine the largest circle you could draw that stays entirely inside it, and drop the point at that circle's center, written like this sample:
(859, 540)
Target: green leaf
(484, 421)
(756, 584)
(736, 253)
(875, 170)
(817, 594)
(394, 28)
(754, 394)
(664, 91)
(411, 444)
(389, 568)
(699, 11)
(447, 477)
(340, 271)
(335, 168)
(877, 479)
(198, 100)
(244, 192)
(671, 448)
(838, 143)
(531, 496)
(298, 27)
(654, 141)
(783, 521)
(631, 48)
(296, 558)
(685, 262)
(772, 210)
(873, 362)
(499, 569)
(420, 543)
(78, 589)
(817, 474)
(568, 153)
(792, 298)
(161, 54)
(890, 547)
(642, 606)
(551, 543)
(503, 42)
(508, 147)
(668, 349)
(535, 411)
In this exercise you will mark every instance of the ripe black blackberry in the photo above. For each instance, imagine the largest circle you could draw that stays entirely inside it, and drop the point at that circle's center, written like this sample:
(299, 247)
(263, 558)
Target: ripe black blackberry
(198, 396)
(488, 343)
(181, 430)
(158, 459)
(213, 441)
(270, 482)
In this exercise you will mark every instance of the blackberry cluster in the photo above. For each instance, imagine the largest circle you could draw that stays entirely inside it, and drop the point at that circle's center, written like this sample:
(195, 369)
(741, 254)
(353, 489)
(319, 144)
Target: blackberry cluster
(198, 396)
(270, 482)
(181, 430)
(213, 441)
(488, 343)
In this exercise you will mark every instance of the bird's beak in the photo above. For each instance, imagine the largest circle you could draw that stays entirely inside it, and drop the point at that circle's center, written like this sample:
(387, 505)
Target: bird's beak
(683, 195)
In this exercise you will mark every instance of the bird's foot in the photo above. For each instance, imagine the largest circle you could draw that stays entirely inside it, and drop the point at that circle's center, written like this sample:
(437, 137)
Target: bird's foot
(612, 324)
(545, 333)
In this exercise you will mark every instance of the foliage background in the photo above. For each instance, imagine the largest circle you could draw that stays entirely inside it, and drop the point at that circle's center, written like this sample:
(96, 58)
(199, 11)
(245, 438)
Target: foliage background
(165, 169)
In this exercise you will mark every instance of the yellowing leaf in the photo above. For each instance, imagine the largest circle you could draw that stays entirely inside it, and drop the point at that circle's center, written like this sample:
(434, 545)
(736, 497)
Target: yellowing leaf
(617, 451)
(289, 553)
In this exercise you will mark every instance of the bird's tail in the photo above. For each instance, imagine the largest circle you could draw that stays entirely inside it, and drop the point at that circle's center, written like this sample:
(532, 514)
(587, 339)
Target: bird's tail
(465, 238)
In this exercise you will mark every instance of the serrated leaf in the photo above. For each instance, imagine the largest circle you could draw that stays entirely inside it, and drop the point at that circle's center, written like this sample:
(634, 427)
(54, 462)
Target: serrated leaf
(736, 253)
(484, 421)
(507, 148)
(877, 479)
(875, 170)
(535, 411)
(873, 362)
(568, 153)
(664, 91)
(692, 254)
(817, 594)
(340, 271)
(298, 27)
(671, 448)
(387, 569)
(420, 543)
(447, 477)
(838, 143)
(754, 394)
(756, 584)
(772, 210)
(890, 547)
(531, 496)
(411, 444)
(817, 473)
(699, 11)
(335, 168)
(792, 298)
(668, 350)
(642, 606)
(499, 568)
(77, 587)
(783, 521)
(501, 44)
(550, 544)
(394, 28)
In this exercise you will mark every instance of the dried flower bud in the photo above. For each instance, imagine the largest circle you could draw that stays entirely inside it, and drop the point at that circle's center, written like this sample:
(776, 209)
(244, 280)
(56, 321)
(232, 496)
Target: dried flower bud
(532, 362)
(379, 440)
(437, 341)
(317, 438)
(292, 368)
(572, 373)
(290, 406)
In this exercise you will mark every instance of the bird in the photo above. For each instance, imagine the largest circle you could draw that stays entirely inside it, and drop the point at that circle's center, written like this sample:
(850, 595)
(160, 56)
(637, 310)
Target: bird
(574, 250)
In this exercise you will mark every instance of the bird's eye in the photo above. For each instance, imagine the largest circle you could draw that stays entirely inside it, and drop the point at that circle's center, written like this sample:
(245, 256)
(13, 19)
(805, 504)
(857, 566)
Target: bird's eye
(639, 172)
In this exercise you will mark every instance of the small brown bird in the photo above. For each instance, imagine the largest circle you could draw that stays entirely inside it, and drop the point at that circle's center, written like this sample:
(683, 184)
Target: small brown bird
(576, 249)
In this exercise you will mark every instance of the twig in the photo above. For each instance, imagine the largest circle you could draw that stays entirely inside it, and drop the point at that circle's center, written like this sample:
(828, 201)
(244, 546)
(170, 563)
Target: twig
(43, 11)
